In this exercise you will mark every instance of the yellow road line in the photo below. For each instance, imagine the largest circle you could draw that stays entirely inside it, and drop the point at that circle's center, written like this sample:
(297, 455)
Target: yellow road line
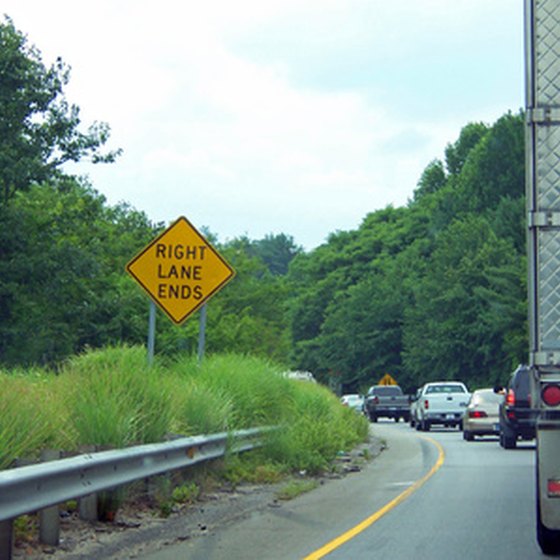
(345, 537)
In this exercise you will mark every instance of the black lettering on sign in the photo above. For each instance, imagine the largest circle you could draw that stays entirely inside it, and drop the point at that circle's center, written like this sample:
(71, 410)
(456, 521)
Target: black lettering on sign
(179, 291)
(183, 272)
(180, 251)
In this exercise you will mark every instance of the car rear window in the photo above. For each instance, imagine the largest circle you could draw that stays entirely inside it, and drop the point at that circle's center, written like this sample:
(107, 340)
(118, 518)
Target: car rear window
(487, 397)
(521, 382)
(447, 388)
(386, 391)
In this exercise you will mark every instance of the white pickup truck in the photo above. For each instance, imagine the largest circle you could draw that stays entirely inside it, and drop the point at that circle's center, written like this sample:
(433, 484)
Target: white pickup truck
(440, 402)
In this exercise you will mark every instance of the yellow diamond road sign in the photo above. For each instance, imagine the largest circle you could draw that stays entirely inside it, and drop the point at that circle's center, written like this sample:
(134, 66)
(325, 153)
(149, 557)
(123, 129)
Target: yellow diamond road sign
(387, 379)
(180, 270)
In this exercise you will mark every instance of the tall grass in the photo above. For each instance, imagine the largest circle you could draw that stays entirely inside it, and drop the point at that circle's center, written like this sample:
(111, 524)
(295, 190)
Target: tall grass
(114, 399)
(317, 429)
(314, 427)
(198, 409)
(111, 398)
(30, 419)
(255, 393)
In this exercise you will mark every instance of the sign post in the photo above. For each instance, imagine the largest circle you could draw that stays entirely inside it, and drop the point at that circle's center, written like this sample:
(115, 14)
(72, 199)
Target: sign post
(201, 333)
(180, 271)
(151, 332)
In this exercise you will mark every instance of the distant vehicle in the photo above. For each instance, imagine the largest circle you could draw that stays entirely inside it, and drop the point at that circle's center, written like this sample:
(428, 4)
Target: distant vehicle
(481, 417)
(518, 420)
(387, 401)
(441, 403)
(299, 375)
(353, 401)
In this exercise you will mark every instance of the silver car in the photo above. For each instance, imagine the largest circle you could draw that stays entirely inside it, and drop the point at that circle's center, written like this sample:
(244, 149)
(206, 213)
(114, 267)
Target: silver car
(353, 401)
(481, 417)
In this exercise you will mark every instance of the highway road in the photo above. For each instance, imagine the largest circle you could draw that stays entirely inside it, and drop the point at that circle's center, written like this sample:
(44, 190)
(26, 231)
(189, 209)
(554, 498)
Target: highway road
(426, 496)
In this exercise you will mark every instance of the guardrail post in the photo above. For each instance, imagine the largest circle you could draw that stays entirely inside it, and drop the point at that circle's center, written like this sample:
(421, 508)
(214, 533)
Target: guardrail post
(49, 518)
(6, 539)
(87, 506)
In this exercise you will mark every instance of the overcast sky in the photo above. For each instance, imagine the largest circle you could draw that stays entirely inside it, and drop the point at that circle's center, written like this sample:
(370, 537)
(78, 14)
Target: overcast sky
(253, 117)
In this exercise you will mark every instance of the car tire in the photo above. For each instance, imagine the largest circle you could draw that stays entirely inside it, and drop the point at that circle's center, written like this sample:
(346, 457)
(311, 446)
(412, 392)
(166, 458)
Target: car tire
(373, 417)
(509, 441)
(468, 436)
(418, 426)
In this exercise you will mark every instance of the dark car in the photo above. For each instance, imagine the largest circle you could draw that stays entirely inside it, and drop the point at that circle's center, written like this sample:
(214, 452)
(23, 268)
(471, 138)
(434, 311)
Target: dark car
(387, 401)
(517, 419)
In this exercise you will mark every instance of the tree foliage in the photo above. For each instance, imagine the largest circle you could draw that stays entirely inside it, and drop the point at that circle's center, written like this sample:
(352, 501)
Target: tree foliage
(62, 257)
(39, 129)
(432, 290)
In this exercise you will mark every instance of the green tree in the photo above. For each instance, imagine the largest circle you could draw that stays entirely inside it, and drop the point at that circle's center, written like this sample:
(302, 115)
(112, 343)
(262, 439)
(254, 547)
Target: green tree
(62, 280)
(361, 335)
(496, 166)
(39, 129)
(432, 180)
(435, 289)
(467, 320)
(456, 154)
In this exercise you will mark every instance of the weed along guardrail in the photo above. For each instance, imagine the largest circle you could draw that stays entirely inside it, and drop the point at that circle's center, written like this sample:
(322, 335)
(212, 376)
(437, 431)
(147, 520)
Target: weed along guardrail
(39, 487)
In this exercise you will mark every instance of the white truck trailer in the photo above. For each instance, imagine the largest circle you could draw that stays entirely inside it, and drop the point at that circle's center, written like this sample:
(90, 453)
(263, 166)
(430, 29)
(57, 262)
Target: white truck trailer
(542, 40)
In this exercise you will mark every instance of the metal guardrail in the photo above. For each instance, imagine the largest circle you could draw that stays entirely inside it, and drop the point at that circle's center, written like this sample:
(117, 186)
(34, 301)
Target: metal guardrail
(36, 487)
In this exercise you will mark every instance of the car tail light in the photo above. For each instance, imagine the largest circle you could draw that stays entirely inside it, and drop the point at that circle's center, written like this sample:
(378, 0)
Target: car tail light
(550, 394)
(477, 414)
(553, 488)
(510, 398)
(426, 404)
(376, 400)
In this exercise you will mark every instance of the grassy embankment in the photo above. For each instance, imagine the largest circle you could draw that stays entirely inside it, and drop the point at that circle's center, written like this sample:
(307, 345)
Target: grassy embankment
(110, 398)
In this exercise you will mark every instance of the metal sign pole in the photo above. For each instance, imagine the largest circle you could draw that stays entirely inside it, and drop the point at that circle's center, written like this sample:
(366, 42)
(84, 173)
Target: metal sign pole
(201, 333)
(151, 332)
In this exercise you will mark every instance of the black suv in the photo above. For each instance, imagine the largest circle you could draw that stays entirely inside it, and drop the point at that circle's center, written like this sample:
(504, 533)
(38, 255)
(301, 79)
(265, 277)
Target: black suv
(517, 418)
